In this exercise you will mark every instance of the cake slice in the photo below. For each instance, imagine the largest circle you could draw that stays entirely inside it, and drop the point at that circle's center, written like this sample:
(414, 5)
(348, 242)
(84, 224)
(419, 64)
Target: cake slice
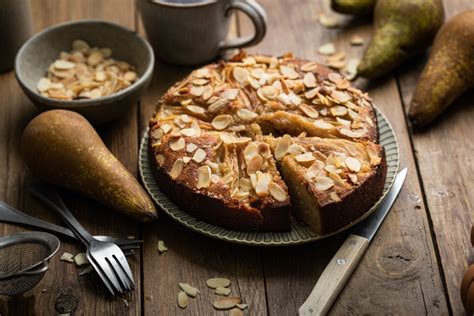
(223, 178)
(332, 182)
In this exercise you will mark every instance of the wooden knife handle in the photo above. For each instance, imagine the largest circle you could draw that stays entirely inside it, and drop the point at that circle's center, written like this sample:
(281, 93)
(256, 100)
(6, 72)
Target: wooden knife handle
(333, 278)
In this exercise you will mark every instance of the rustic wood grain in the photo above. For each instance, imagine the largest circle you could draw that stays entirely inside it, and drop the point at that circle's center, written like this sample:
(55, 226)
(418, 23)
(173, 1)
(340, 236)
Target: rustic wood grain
(61, 287)
(192, 258)
(399, 273)
(444, 154)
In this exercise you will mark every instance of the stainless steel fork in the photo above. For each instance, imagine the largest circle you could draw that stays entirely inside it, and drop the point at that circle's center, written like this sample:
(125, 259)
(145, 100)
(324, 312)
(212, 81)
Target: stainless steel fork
(107, 259)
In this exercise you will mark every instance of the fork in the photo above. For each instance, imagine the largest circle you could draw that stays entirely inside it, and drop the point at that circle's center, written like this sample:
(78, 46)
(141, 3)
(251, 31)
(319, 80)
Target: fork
(11, 215)
(106, 258)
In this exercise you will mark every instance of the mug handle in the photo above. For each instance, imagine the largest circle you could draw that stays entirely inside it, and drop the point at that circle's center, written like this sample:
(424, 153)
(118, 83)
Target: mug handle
(257, 14)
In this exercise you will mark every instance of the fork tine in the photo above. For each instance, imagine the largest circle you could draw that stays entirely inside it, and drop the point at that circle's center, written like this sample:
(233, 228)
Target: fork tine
(125, 268)
(109, 273)
(102, 276)
(119, 273)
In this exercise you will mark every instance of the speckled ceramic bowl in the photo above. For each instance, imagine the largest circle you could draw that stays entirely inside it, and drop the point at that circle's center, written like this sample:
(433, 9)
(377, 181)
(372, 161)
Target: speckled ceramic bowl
(41, 50)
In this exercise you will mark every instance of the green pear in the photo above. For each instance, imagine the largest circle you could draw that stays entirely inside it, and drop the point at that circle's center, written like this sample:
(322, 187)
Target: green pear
(355, 7)
(449, 71)
(402, 29)
(61, 147)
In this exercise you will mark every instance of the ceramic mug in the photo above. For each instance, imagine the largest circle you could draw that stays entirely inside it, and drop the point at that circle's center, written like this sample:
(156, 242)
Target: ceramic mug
(193, 32)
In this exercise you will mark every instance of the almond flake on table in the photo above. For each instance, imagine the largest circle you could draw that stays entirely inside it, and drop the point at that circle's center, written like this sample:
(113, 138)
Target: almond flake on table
(351, 68)
(357, 40)
(68, 257)
(161, 246)
(327, 49)
(329, 21)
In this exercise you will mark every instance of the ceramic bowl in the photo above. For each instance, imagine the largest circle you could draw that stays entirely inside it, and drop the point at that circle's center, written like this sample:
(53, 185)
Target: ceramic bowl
(41, 50)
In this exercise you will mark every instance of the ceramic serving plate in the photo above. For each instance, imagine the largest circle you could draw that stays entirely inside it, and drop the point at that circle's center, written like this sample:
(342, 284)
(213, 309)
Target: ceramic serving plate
(299, 232)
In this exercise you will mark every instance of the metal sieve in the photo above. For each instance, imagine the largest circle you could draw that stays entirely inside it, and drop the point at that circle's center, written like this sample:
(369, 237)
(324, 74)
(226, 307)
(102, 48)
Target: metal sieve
(24, 259)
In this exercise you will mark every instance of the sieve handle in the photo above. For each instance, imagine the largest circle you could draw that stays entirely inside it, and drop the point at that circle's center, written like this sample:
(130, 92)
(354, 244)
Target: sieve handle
(42, 269)
(50, 196)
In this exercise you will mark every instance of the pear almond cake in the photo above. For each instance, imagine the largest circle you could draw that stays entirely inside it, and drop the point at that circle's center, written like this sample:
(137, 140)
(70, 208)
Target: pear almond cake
(248, 142)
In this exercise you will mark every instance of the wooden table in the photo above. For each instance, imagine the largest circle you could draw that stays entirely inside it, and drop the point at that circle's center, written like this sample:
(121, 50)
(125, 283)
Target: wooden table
(413, 266)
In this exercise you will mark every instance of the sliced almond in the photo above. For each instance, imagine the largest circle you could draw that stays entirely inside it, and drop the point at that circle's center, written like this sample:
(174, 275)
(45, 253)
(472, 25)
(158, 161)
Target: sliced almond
(341, 96)
(353, 164)
(294, 99)
(374, 156)
(246, 115)
(63, 64)
(161, 246)
(220, 122)
(309, 80)
(235, 312)
(217, 105)
(305, 159)
(351, 68)
(336, 64)
(333, 195)
(196, 90)
(214, 283)
(208, 92)
(322, 124)
(338, 110)
(309, 111)
(95, 58)
(263, 180)
(311, 93)
(353, 178)
(190, 132)
(267, 92)
(80, 45)
(357, 40)
(240, 74)
(250, 151)
(204, 177)
(282, 146)
(230, 94)
(353, 133)
(284, 98)
(314, 170)
(254, 164)
(277, 192)
(200, 81)
(100, 76)
(201, 73)
(130, 76)
(343, 121)
(177, 144)
(43, 84)
(327, 49)
(189, 289)
(196, 109)
(199, 155)
(288, 72)
(226, 303)
(183, 299)
(191, 147)
(69, 257)
(323, 183)
(81, 259)
(329, 21)
(177, 168)
(242, 306)
(222, 291)
(309, 66)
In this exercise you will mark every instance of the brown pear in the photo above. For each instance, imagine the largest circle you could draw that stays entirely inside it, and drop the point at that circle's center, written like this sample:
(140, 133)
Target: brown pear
(402, 29)
(449, 71)
(61, 147)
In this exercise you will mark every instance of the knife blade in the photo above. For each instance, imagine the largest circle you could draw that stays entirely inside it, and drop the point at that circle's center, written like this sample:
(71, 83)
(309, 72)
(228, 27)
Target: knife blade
(341, 266)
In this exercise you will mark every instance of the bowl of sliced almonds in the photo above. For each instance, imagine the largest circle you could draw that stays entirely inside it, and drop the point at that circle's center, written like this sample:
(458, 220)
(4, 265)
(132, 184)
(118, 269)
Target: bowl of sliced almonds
(96, 68)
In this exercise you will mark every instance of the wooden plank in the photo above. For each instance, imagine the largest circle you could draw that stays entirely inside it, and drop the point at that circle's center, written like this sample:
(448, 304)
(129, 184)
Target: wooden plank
(444, 157)
(192, 258)
(62, 283)
(399, 273)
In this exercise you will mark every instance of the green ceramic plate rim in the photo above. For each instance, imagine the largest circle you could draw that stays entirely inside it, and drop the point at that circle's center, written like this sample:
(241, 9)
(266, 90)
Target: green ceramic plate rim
(299, 233)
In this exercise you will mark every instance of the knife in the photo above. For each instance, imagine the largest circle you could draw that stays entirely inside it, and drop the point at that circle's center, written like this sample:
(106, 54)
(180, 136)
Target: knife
(341, 266)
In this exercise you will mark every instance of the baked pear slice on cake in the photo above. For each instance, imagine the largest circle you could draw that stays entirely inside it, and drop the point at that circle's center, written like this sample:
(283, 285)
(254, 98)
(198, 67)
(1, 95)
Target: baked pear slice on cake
(332, 182)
